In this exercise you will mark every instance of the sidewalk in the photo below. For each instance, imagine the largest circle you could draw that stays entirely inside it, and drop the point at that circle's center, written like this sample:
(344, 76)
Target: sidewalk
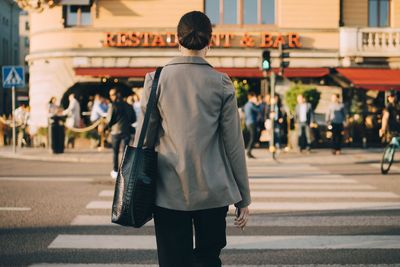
(69, 155)
(317, 156)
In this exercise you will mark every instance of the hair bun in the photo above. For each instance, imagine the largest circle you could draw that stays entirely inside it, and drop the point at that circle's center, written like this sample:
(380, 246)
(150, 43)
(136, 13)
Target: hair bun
(194, 30)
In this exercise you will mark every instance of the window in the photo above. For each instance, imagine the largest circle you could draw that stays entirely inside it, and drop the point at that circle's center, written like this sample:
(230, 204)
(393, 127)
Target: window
(212, 10)
(378, 13)
(27, 25)
(77, 15)
(26, 42)
(230, 11)
(240, 11)
(268, 12)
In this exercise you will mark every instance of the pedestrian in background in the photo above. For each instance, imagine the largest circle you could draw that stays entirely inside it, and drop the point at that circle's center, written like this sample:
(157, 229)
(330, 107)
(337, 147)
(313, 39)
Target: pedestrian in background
(335, 119)
(136, 107)
(304, 118)
(201, 159)
(53, 108)
(21, 118)
(275, 116)
(391, 117)
(251, 113)
(99, 108)
(73, 113)
(120, 117)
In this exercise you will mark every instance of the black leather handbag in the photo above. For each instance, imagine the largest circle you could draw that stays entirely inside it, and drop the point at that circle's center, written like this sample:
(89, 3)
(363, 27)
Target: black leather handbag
(135, 187)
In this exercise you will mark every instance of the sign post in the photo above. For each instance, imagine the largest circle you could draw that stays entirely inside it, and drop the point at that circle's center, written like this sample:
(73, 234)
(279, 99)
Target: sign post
(14, 130)
(13, 76)
(272, 142)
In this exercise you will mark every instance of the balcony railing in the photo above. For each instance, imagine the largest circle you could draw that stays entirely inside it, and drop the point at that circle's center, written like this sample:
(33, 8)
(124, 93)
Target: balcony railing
(370, 42)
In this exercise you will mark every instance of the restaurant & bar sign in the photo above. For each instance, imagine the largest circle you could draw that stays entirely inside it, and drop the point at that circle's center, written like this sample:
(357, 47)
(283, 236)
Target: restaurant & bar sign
(223, 40)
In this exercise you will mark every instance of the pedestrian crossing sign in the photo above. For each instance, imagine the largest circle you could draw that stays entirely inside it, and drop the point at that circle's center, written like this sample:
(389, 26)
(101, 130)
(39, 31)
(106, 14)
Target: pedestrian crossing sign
(13, 76)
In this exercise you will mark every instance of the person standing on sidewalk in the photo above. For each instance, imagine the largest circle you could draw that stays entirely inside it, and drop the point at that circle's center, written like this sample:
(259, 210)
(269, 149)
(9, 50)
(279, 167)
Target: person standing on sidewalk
(391, 117)
(201, 161)
(73, 113)
(335, 118)
(251, 115)
(120, 116)
(304, 118)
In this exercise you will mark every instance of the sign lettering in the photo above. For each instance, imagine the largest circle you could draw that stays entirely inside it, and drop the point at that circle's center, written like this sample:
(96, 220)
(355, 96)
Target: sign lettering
(223, 40)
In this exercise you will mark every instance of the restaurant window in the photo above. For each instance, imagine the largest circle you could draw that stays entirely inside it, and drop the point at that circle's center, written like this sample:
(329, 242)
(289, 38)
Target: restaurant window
(378, 13)
(77, 15)
(250, 11)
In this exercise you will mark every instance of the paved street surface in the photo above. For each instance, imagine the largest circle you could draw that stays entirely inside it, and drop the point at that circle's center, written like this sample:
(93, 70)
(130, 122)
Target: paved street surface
(308, 210)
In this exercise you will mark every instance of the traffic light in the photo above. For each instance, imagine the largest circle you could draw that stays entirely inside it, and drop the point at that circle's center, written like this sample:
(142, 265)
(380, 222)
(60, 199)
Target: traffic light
(266, 60)
(282, 55)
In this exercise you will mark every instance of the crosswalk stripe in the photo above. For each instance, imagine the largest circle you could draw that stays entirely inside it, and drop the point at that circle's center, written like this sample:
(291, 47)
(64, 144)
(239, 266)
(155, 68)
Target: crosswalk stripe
(146, 242)
(310, 187)
(318, 206)
(46, 179)
(15, 209)
(156, 265)
(311, 194)
(302, 181)
(260, 187)
(378, 166)
(292, 206)
(270, 221)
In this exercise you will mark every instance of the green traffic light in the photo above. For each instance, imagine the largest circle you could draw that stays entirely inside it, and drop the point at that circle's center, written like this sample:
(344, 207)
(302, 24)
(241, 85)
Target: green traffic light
(266, 65)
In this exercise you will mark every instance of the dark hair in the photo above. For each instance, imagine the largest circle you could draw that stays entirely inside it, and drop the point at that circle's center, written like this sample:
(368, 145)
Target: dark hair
(251, 94)
(194, 30)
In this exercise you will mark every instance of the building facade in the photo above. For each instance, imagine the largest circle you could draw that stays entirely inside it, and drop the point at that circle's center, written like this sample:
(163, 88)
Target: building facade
(101, 42)
(9, 41)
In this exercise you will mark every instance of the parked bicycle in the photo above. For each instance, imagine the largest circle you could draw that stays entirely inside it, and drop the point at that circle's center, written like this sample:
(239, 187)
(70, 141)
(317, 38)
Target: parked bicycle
(388, 155)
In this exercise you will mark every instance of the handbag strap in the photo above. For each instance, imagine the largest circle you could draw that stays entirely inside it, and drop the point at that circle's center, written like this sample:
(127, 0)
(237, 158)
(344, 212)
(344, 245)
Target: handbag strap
(150, 107)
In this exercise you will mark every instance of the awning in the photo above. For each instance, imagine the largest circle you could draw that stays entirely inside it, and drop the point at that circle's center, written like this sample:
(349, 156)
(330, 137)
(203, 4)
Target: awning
(232, 72)
(373, 79)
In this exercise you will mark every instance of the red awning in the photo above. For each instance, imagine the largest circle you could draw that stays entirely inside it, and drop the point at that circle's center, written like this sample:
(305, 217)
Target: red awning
(373, 79)
(232, 72)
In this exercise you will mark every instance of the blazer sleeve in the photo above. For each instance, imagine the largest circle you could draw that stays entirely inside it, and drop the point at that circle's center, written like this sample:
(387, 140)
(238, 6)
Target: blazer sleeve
(151, 137)
(233, 141)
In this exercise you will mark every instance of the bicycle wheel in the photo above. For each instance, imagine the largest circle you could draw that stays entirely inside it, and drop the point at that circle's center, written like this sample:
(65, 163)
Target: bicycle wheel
(387, 159)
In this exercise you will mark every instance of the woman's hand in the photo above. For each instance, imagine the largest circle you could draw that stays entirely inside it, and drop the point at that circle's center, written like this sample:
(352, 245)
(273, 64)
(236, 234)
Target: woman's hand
(241, 221)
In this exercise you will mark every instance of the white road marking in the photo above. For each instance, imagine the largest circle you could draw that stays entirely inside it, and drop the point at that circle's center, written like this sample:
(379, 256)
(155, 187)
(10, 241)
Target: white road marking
(328, 194)
(15, 209)
(378, 166)
(146, 242)
(156, 265)
(45, 179)
(301, 181)
(293, 206)
(311, 187)
(318, 206)
(271, 221)
(259, 187)
(106, 193)
(304, 194)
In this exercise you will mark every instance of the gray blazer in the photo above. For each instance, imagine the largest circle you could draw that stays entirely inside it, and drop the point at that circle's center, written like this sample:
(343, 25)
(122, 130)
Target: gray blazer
(196, 131)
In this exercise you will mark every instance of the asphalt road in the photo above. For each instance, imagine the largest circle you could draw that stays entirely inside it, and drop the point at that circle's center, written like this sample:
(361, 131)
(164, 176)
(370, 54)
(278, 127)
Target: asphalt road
(308, 210)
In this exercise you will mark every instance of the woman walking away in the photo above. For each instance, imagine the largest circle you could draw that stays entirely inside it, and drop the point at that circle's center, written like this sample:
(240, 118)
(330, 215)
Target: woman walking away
(201, 160)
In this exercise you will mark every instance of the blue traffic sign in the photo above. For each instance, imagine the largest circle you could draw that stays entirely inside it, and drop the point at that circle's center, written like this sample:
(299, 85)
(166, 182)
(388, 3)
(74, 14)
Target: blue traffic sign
(13, 76)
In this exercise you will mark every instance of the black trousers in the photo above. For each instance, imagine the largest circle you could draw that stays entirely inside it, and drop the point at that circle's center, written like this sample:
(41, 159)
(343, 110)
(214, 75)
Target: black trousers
(116, 140)
(337, 136)
(252, 128)
(174, 235)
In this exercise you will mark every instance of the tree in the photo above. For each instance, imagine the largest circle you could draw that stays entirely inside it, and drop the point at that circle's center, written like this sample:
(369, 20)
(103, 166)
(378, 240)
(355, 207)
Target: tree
(241, 90)
(311, 94)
